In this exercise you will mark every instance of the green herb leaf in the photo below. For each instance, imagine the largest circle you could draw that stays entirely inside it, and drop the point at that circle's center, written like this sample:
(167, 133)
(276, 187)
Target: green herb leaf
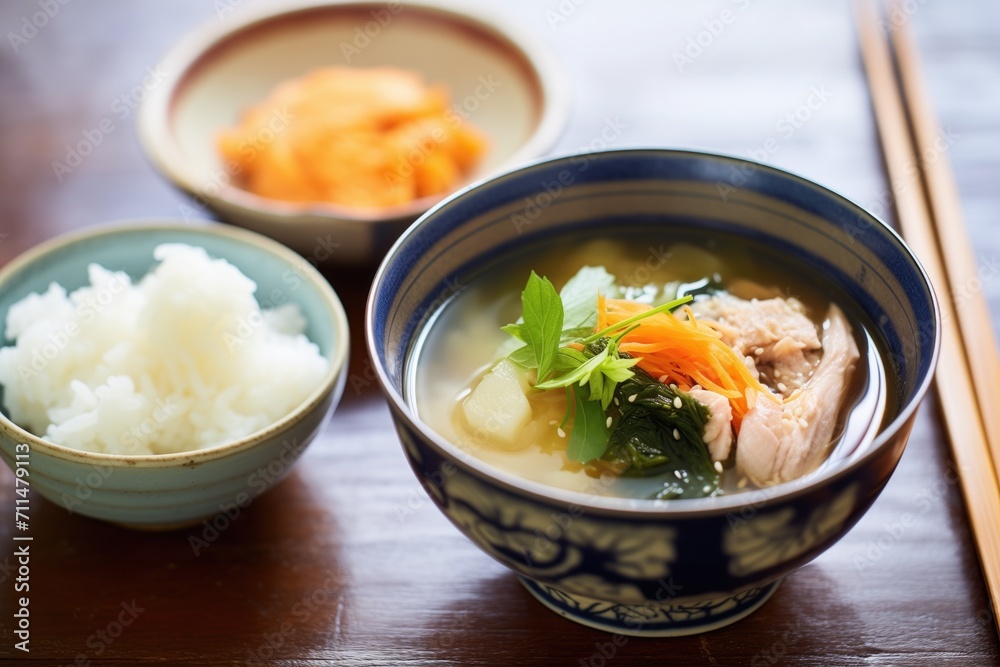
(515, 329)
(568, 358)
(596, 384)
(617, 369)
(589, 437)
(602, 370)
(542, 311)
(608, 395)
(573, 335)
(524, 356)
(579, 374)
(579, 299)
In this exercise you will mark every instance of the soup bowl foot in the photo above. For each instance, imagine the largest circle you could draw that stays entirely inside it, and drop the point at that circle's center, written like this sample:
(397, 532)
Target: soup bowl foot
(653, 619)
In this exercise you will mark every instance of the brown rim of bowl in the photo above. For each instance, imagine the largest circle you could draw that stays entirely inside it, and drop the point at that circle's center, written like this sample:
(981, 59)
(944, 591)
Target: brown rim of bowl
(155, 117)
(338, 357)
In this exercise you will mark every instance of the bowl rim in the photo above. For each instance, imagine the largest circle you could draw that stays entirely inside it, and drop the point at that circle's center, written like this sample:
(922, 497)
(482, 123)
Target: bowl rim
(338, 355)
(646, 508)
(156, 140)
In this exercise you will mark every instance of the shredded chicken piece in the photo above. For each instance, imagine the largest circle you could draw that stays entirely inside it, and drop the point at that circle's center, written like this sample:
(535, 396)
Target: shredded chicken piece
(780, 342)
(718, 433)
(779, 443)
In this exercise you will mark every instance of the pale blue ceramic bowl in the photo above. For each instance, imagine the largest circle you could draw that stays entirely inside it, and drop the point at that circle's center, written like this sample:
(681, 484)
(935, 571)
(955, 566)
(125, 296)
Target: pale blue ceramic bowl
(171, 491)
(648, 567)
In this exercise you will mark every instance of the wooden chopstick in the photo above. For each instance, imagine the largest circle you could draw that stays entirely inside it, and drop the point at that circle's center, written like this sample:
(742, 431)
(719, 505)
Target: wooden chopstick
(963, 416)
(964, 275)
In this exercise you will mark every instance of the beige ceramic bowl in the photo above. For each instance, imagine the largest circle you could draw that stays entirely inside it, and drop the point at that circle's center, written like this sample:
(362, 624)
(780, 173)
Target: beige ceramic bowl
(506, 85)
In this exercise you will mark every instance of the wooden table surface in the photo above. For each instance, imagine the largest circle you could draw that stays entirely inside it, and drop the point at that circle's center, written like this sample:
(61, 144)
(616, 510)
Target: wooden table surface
(347, 562)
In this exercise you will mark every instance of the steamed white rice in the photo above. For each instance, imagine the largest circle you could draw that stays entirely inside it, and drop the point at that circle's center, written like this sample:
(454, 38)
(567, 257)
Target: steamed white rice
(184, 359)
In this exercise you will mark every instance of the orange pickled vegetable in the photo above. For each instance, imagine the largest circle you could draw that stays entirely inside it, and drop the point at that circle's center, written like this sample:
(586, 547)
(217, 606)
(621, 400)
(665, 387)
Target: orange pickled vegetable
(358, 137)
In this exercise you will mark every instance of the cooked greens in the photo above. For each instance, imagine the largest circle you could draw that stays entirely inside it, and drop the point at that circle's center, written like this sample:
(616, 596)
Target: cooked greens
(659, 431)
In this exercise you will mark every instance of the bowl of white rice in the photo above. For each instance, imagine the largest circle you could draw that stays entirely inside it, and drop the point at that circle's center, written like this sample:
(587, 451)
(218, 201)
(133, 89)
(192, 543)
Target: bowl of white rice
(149, 372)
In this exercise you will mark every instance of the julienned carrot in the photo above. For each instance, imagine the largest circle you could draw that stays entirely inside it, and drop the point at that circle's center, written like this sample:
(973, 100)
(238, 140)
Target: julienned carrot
(684, 352)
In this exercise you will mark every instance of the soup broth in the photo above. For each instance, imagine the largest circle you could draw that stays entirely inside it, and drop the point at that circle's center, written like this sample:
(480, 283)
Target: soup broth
(463, 340)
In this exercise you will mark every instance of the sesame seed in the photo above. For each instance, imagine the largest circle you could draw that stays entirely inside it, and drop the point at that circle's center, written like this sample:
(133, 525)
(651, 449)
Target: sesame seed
(677, 474)
(777, 374)
(759, 351)
(608, 422)
(553, 422)
(561, 433)
(803, 423)
(742, 483)
(673, 386)
(677, 434)
(616, 401)
(631, 399)
(678, 403)
(718, 467)
(663, 379)
(706, 489)
(782, 387)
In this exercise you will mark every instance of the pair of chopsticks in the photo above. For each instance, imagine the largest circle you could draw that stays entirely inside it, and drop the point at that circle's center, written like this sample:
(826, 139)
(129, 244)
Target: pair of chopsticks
(930, 217)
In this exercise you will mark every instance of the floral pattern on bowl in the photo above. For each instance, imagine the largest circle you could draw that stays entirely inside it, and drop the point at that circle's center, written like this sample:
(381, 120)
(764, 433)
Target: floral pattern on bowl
(769, 538)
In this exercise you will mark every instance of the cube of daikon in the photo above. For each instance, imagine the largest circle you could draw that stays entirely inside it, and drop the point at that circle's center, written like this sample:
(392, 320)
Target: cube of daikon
(499, 407)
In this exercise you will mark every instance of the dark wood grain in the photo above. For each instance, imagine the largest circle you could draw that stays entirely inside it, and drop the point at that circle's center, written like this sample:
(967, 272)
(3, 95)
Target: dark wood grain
(347, 562)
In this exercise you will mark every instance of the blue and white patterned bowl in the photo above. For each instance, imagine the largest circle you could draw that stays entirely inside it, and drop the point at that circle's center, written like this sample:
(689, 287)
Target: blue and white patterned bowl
(646, 567)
